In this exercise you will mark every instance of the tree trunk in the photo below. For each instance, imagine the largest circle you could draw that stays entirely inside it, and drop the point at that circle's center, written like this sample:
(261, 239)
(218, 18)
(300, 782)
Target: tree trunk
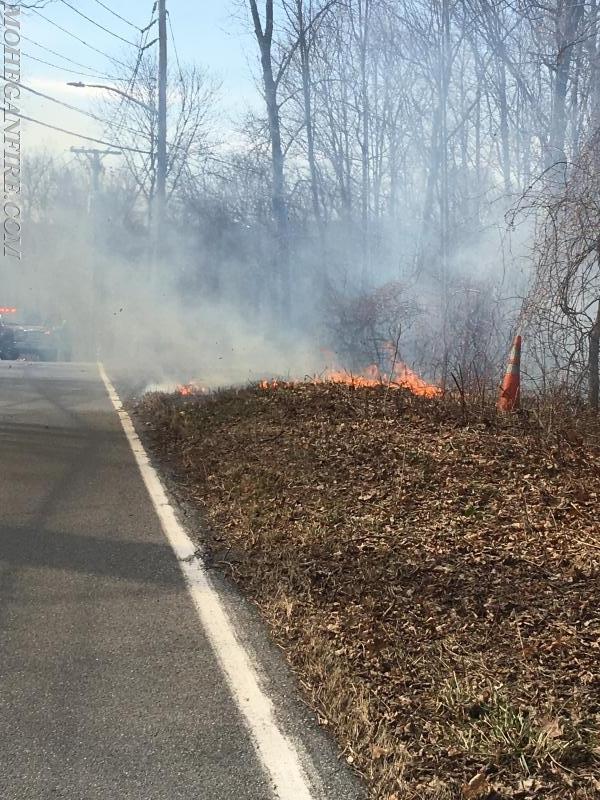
(308, 116)
(278, 201)
(594, 56)
(504, 128)
(594, 366)
(362, 36)
(567, 28)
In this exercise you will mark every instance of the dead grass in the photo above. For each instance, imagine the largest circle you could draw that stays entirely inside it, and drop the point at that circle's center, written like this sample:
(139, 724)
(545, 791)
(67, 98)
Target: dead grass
(432, 572)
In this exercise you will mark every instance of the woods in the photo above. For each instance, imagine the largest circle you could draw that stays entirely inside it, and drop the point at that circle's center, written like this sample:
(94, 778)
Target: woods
(397, 141)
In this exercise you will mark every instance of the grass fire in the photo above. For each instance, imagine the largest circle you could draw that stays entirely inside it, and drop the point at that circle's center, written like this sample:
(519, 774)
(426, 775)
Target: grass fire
(400, 377)
(430, 567)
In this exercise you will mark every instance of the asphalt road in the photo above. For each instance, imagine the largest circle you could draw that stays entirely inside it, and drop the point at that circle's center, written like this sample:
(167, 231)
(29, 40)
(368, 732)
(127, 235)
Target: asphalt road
(108, 686)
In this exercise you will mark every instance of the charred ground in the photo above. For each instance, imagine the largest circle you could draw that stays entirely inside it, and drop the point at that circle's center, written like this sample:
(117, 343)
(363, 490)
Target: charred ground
(431, 570)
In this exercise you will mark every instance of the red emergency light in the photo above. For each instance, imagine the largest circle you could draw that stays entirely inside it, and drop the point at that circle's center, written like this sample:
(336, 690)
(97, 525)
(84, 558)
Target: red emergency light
(8, 310)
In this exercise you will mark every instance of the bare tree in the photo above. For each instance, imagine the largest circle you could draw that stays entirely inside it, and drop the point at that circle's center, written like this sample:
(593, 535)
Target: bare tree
(271, 78)
(563, 307)
(191, 97)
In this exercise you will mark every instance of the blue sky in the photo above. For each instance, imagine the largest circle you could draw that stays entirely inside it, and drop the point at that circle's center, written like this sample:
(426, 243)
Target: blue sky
(211, 33)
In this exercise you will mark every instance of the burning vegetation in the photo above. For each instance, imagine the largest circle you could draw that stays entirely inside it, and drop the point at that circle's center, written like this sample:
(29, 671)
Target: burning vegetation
(430, 568)
(400, 377)
(192, 388)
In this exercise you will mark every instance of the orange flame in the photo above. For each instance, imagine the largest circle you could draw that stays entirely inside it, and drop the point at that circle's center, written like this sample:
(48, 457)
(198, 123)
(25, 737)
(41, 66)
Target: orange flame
(187, 389)
(402, 377)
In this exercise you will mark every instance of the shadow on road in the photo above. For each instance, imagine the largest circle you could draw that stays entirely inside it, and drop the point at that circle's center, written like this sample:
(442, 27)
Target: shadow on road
(146, 563)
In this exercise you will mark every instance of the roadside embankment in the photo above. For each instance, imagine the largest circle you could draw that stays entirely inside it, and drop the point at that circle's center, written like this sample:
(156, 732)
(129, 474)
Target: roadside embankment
(432, 574)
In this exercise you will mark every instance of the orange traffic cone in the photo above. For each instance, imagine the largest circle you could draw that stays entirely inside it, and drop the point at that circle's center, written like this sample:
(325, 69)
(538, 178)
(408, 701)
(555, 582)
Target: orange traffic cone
(510, 393)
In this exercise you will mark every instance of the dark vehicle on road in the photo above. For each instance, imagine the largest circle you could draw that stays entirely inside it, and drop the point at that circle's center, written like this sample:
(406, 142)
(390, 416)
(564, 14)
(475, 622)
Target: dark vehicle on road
(8, 346)
(36, 342)
(33, 341)
(43, 343)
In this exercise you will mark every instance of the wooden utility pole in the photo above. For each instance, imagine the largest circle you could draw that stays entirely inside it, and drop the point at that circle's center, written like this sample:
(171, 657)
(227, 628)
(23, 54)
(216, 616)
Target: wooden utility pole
(95, 158)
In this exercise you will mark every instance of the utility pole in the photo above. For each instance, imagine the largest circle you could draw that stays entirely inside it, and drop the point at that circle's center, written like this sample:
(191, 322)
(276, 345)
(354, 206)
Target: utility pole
(95, 158)
(161, 151)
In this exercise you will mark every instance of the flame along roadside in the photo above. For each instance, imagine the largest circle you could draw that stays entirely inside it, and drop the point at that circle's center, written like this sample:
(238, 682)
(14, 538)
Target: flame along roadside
(401, 377)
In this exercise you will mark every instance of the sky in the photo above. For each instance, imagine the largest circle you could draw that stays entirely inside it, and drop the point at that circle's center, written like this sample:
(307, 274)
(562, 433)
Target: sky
(212, 33)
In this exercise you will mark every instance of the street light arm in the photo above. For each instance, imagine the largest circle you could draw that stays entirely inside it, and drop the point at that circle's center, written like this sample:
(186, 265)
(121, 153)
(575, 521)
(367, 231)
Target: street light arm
(114, 89)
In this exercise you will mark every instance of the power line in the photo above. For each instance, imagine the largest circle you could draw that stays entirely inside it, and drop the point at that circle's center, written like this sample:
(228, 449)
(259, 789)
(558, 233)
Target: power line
(60, 55)
(75, 108)
(74, 36)
(175, 48)
(107, 125)
(97, 24)
(117, 15)
(71, 71)
(142, 47)
(73, 133)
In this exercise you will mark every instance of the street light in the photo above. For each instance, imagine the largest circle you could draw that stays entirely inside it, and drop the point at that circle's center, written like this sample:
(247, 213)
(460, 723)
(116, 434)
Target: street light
(80, 85)
(158, 200)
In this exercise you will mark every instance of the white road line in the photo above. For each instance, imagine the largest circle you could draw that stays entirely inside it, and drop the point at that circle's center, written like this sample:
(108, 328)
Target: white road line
(279, 756)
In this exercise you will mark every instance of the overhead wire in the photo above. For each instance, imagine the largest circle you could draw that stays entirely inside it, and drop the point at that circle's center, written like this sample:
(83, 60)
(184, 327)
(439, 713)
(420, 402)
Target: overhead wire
(72, 108)
(66, 69)
(103, 140)
(120, 113)
(143, 33)
(97, 24)
(79, 39)
(175, 48)
(128, 22)
(120, 126)
(91, 73)
(84, 113)
(77, 135)
(60, 55)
